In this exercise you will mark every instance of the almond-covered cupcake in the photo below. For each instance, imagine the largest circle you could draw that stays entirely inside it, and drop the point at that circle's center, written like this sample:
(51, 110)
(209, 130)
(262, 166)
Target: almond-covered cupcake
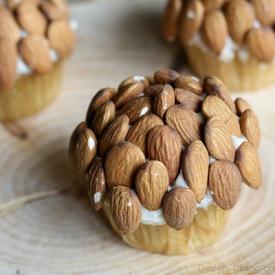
(35, 38)
(165, 157)
(233, 40)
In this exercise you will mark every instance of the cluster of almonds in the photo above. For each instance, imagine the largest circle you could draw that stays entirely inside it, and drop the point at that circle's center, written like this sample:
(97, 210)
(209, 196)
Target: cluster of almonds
(136, 141)
(31, 28)
(249, 24)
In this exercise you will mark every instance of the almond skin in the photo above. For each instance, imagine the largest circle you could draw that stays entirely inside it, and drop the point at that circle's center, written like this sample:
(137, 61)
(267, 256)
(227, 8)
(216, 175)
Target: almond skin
(164, 144)
(265, 11)
(188, 100)
(126, 209)
(55, 10)
(165, 76)
(250, 127)
(195, 168)
(225, 183)
(153, 89)
(211, 5)
(179, 207)
(152, 182)
(122, 163)
(242, 105)
(189, 83)
(248, 162)
(8, 26)
(233, 126)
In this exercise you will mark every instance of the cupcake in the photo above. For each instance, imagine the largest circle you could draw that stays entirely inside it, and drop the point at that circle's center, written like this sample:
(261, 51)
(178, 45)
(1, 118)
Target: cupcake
(35, 39)
(233, 40)
(165, 158)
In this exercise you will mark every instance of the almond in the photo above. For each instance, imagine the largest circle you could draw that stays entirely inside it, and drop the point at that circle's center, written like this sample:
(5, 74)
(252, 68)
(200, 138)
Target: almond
(240, 18)
(8, 58)
(248, 162)
(189, 83)
(136, 108)
(133, 80)
(186, 122)
(153, 89)
(55, 9)
(211, 5)
(233, 126)
(96, 183)
(242, 105)
(250, 127)
(114, 133)
(103, 117)
(218, 140)
(195, 168)
(35, 51)
(179, 207)
(8, 26)
(165, 76)
(164, 100)
(122, 163)
(126, 209)
(152, 182)
(62, 38)
(188, 99)
(215, 31)
(265, 11)
(164, 144)
(138, 132)
(190, 20)
(225, 183)
(261, 44)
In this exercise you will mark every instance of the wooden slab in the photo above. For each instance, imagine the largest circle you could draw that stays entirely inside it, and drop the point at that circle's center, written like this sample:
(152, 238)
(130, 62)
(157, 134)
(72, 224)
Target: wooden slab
(61, 234)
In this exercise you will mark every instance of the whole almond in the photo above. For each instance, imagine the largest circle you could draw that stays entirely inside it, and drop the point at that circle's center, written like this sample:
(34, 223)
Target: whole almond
(248, 162)
(225, 183)
(8, 26)
(103, 117)
(133, 80)
(242, 105)
(261, 44)
(122, 163)
(165, 76)
(265, 11)
(186, 122)
(138, 132)
(211, 5)
(152, 182)
(188, 99)
(190, 20)
(250, 127)
(164, 144)
(115, 133)
(96, 183)
(218, 140)
(240, 18)
(179, 207)
(153, 89)
(215, 31)
(126, 209)
(189, 83)
(55, 10)
(195, 168)
(164, 100)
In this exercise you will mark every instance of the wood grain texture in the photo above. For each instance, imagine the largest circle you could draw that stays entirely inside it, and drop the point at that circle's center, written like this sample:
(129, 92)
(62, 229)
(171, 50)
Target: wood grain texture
(61, 235)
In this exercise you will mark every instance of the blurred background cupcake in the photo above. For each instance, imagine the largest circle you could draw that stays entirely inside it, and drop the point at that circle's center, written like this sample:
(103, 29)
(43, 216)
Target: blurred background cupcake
(35, 39)
(233, 40)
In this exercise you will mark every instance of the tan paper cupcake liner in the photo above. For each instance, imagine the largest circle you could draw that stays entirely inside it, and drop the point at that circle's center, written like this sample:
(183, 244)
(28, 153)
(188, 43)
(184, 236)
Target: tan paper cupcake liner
(30, 94)
(205, 229)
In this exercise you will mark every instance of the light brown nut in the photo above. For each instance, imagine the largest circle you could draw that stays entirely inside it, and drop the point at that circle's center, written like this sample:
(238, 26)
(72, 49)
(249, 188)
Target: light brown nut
(189, 83)
(133, 80)
(136, 108)
(250, 127)
(8, 26)
(225, 183)
(242, 105)
(170, 20)
(122, 163)
(261, 44)
(82, 147)
(164, 100)
(240, 17)
(249, 164)
(103, 117)
(138, 132)
(152, 182)
(188, 99)
(214, 86)
(153, 89)
(35, 51)
(190, 20)
(165, 76)
(214, 31)
(195, 168)
(211, 5)
(265, 11)
(55, 10)
(233, 126)
(164, 144)
(218, 140)
(126, 209)
(96, 183)
(12, 4)
(115, 133)
(62, 38)
(186, 122)
(8, 58)
(179, 207)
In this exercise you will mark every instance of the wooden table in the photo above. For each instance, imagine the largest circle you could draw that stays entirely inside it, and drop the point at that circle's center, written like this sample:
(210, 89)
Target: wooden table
(60, 234)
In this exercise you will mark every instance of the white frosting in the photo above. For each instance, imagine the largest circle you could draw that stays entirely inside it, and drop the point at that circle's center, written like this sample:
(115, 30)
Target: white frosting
(97, 197)
(91, 143)
(144, 111)
(152, 217)
(139, 78)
